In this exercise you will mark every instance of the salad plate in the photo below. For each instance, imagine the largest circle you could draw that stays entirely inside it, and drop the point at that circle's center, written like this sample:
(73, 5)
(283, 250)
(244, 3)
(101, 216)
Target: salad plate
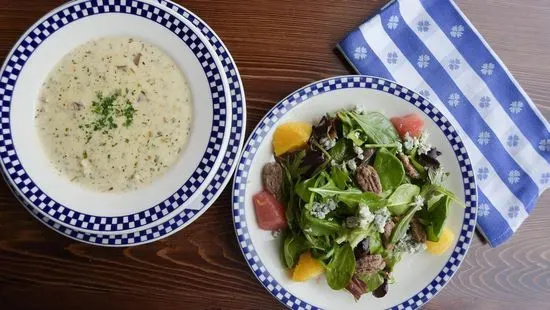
(416, 278)
(191, 185)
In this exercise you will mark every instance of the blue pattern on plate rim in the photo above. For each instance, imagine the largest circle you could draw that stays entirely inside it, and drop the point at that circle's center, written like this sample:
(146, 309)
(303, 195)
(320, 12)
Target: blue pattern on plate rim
(283, 107)
(15, 62)
(238, 101)
(223, 175)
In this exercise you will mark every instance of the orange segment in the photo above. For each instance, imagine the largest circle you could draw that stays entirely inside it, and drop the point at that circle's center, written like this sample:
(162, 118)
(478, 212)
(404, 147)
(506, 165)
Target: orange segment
(290, 137)
(307, 268)
(444, 243)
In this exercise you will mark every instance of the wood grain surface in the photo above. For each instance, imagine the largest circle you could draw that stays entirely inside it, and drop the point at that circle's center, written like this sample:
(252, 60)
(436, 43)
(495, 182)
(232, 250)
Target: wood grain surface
(279, 46)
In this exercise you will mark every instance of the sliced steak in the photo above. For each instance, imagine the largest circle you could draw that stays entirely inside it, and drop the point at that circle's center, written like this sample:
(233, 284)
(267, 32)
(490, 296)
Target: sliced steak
(272, 178)
(370, 264)
(356, 287)
(417, 231)
(410, 170)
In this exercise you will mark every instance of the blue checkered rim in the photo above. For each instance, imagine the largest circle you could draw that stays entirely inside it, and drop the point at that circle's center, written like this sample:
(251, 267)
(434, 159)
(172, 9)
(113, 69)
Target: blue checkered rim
(238, 122)
(213, 190)
(15, 63)
(295, 99)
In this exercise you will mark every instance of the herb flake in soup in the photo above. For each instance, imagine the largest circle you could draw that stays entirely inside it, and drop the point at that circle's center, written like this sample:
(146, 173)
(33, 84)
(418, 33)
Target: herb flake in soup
(114, 114)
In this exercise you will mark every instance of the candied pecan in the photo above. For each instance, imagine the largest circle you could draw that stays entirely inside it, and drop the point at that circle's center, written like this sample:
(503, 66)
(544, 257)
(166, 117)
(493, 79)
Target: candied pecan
(417, 231)
(368, 179)
(272, 178)
(409, 168)
(370, 264)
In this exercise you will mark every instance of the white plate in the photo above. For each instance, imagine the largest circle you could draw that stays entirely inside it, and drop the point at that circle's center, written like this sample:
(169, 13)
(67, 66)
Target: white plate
(24, 161)
(216, 186)
(418, 277)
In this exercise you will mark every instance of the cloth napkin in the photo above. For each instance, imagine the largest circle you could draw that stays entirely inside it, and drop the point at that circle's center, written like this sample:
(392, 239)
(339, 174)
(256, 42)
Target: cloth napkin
(432, 48)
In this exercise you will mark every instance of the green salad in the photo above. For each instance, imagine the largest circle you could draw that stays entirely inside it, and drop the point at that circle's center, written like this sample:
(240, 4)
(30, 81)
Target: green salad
(353, 197)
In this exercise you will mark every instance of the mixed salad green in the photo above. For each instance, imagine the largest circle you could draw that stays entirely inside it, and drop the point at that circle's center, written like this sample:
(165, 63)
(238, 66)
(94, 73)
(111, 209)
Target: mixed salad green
(363, 191)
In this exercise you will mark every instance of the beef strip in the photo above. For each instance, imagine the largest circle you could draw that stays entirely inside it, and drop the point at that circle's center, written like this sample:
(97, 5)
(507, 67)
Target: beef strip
(272, 178)
(409, 168)
(417, 231)
(356, 287)
(370, 264)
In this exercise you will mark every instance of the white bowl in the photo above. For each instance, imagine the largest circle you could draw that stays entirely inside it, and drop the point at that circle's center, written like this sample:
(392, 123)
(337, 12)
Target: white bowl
(24, 161)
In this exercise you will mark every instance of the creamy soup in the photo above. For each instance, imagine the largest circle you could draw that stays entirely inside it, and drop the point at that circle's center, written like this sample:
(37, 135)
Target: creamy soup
(114, 114)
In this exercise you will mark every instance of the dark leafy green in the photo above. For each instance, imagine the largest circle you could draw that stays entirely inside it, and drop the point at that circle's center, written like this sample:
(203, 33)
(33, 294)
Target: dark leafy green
(340, 151)
(389, 168)
(340, 177)
(403, 225)
(302, 189)
(376, 126)
(437, 218)
(372, 280)
(341, 267)
(357, 137)
(319, 227)
(375, 244)
(293, 246)
(398, 201)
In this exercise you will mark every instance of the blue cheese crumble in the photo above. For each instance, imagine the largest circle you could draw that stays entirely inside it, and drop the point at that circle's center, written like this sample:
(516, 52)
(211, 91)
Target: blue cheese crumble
(321, 209)
(407, 244)
(327, 143)
(381, 217)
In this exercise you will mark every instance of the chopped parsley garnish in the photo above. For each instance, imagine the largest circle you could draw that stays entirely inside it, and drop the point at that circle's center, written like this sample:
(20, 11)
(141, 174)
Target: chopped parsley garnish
(104, 108)
(107, 110)
(128, 113)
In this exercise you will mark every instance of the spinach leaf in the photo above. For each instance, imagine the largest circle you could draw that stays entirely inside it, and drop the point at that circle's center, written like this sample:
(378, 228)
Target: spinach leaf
(340, 177)
(430, 190)
(341, 268)
(401, 229)
(353, 200)
(372, 280)
(356, 235)
(330, 190)
(376, 126)
(339, 152)
(302, 189)
(321, 243)
(346, 120)
(375, 243)
(325, 254)
(403, 195)
(389, 168)
(437, 218)
(356, 136)
(318, 227)
(293, 246)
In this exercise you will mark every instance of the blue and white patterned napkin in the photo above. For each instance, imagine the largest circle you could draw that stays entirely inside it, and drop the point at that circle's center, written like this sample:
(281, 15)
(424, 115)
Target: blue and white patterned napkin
(431, 47)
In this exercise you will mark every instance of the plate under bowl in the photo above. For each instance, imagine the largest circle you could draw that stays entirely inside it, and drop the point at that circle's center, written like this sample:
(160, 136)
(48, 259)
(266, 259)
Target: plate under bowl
(24, 161)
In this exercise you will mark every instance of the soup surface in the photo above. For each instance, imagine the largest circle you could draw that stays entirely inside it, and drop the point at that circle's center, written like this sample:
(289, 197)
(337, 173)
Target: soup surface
(114, 114)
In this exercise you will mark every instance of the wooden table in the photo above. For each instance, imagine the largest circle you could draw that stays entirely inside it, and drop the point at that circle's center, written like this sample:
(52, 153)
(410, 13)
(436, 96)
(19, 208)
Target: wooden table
(279, 46)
